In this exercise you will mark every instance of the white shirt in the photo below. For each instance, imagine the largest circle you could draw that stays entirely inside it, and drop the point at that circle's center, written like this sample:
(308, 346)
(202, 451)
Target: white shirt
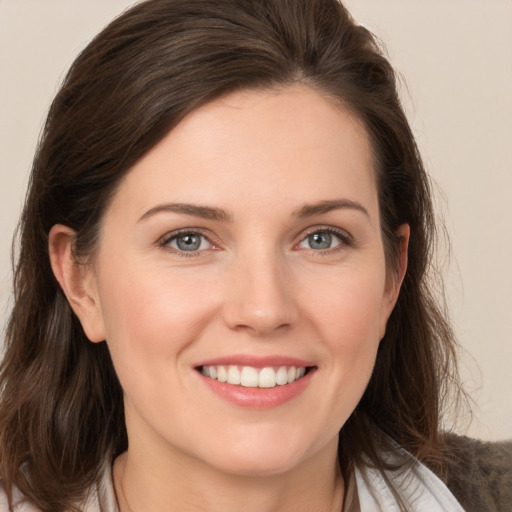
(421, 490)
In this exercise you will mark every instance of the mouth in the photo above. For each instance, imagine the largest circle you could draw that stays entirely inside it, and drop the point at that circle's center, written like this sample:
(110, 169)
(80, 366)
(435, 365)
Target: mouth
(256, 382)
(254, 377)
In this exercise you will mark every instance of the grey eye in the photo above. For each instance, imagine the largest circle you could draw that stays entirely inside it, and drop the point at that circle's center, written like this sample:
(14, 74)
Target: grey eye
(189, 242)
(320, 240)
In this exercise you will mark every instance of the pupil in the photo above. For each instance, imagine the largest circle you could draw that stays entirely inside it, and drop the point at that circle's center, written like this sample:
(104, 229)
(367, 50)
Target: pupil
(320, 240)
(189, 242)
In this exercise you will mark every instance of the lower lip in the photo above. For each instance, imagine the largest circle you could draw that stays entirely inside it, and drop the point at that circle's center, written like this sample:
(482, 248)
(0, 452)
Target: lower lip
(259, 398)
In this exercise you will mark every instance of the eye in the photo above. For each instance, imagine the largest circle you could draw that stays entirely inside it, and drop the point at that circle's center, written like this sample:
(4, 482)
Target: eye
(323, 239)
(188, 242)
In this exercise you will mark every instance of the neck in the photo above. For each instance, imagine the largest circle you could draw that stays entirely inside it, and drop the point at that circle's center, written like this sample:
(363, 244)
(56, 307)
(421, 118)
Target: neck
(158, 481)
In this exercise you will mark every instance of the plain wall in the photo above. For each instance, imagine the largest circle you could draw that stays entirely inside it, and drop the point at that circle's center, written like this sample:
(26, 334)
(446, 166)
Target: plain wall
(456, 57)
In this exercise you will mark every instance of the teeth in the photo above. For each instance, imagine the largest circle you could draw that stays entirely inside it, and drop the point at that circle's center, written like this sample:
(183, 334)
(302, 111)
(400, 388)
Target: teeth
(222, 374)
(250, 377)
(282, 376)
(267, 378)
(233, 375)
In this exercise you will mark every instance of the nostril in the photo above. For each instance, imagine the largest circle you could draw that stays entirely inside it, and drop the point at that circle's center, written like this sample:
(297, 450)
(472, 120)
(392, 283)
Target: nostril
(260, 304)
(262, 326)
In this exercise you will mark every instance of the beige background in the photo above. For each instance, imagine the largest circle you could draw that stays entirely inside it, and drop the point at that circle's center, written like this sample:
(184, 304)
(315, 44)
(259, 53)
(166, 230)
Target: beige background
(456, 56)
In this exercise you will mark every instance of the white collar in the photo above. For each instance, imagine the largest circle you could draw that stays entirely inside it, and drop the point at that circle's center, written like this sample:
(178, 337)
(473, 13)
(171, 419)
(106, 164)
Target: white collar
(421, 490)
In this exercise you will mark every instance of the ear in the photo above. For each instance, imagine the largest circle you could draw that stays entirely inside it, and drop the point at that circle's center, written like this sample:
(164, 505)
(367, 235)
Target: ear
(77, 281)
(395, 277)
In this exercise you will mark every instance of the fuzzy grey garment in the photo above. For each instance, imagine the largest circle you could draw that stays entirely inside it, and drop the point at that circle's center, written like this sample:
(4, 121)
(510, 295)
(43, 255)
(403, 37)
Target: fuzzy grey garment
(480, 473)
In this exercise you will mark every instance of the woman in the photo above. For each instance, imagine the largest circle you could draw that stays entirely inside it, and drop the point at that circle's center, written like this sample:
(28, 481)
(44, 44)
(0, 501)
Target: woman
(221, 299)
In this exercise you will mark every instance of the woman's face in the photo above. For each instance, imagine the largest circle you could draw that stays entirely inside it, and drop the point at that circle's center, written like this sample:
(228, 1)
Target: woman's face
(246, 246)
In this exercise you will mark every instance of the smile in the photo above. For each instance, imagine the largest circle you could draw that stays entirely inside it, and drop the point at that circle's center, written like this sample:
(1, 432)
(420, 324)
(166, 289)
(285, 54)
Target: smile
(251, 377)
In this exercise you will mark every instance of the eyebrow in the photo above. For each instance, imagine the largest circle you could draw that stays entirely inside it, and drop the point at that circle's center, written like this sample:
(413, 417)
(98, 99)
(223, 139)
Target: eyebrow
(217, 214)
(203, 212)
(309, 210)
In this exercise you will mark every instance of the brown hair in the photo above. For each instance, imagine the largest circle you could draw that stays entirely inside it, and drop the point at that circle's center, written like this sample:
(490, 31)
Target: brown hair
(61, 408)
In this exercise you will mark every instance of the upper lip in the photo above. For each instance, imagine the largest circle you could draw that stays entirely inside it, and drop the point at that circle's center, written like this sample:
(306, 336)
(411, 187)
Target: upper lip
(256, 361)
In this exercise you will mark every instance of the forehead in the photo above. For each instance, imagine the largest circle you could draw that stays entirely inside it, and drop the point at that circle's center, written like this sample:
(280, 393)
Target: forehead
(260, 145)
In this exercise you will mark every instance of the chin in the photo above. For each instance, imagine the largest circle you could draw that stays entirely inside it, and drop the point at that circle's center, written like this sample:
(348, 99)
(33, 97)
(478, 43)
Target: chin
(260, 458)
(260, 466)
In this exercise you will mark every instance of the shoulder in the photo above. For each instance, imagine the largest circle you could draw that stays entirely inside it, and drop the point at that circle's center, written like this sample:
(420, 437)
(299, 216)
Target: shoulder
(19, 504)
(479, 473)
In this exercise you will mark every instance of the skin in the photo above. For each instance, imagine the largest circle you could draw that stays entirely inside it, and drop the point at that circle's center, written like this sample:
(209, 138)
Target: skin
(255, 287)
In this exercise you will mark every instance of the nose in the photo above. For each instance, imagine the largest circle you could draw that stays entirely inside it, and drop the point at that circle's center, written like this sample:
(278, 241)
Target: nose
(259, 297)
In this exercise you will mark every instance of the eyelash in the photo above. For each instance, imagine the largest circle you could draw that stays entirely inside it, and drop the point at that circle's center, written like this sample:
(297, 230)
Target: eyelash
(165, 241)
(345, 239)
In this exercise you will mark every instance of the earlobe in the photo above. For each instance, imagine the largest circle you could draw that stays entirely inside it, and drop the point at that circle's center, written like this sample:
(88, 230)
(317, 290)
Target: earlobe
(77, 282)
(396, 276)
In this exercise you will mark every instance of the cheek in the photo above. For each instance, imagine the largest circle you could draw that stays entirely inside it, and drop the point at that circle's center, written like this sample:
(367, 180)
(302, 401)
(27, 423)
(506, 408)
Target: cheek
(347, 318)
(349, 307)
(152, 318)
